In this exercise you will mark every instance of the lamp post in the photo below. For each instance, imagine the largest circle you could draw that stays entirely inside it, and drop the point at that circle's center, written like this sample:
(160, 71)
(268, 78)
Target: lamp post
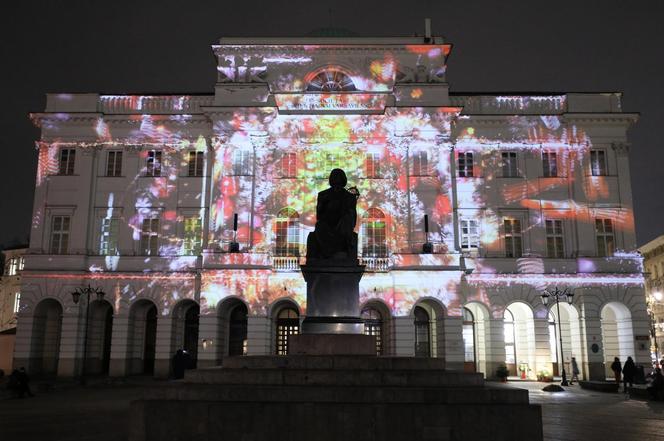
(651, 300)
(558, 295)
(76, 296)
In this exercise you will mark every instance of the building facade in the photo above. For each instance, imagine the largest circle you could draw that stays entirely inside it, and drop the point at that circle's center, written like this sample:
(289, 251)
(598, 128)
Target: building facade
(653, 263)
(146, 196)
(10, 300)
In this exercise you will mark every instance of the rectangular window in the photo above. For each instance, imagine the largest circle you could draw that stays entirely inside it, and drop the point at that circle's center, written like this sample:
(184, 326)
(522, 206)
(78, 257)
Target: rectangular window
(420, 164)
(114, 163)
(67, 159)
(372, 165)
(510, 166)
(549, 165)
(554, 239)
(288, 165)
(108, 239)
(195, 164)
(470, 234)
(153, 166)
(193, 235)
(605, 239)
(242, 162)
(513, 238)
(12, 267)
(150, 237)
(60, 234)
(598, 163)
(465, 165)
(17, 302)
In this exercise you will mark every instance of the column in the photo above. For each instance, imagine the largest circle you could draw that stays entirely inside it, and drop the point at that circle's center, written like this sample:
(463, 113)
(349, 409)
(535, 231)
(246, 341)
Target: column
(209, 346)
(118, 366)
(404, 336)
(543, 348)
(259, 336)
(495, 345)
(592, 363)
(454, 356)
(163, 348)
(22, 344)
(71, 344)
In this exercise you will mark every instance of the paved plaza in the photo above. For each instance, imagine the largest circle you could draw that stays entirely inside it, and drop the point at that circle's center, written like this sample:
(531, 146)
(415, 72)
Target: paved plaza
(100, 411)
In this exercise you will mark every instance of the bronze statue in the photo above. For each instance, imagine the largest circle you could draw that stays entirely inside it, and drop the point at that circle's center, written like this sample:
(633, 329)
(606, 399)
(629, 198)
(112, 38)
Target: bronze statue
(333, 236)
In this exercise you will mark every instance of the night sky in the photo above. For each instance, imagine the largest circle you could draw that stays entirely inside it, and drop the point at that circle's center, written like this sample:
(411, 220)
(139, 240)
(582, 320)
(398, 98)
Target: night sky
(164, 47)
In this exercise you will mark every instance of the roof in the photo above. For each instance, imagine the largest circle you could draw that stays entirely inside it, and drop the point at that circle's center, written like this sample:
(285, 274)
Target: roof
(658, 241)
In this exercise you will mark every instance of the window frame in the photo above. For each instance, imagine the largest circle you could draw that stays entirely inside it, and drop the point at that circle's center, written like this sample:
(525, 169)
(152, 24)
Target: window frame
(555, 236)
(244, 166)
(469, 235)
(287, 233)
(287, 165)
(192, 245)
(66, 165)
(598, 162)
(549, 164)
(104, 244)
(465, 164)
(149, 236)
(605, 237)
(114, 166)
(511, 237)
(61, 233)
(373, 242)
(372, 165)
(510, 164)
(195, 164)
(17, 303)
(420, 163)
(154, 163)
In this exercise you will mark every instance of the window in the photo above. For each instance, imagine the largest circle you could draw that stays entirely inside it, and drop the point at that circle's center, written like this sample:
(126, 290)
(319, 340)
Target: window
(108, 240)
(554, 239)
(468, 333)
(597, 162)
(242, 163)
(510, 166)
(470, 234)
(14, 265)
(422, 332)
(372, 165)
(67, 158)
(331, 81)
(114, 163)
(373, 231)
(288, 165)
(150, 237)
(513, 238)
(193, 235)
(288, 233)
(420, 164)
(17, 302)
(465, 165)
(59, 234)
(195, 165)
(288, 323)
(153, 167)
(510, 350)
(549, 165)
(373, 325)
(605, 239)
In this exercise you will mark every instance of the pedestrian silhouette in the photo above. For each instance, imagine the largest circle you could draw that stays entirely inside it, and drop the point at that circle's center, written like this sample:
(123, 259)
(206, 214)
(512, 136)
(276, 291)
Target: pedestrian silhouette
(628, 371)
(575, 371)
(617, 370)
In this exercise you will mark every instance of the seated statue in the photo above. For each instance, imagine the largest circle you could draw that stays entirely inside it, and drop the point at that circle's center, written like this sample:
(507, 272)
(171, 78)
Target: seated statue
(333, 236)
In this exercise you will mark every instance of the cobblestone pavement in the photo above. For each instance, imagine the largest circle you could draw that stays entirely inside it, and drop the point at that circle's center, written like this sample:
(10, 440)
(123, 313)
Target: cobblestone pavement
(100, 412)
(582, 415)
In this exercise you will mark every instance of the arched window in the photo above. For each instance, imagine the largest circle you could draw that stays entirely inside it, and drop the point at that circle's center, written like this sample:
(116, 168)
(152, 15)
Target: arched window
(237, 330)
(288, 323)
(373, 325)
(468, 340)
(510, 339)
(373, 231)
(288, 233)
(422, 332)
(331, 80)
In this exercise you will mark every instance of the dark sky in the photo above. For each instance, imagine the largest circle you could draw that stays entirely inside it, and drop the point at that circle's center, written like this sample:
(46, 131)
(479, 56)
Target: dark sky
(164, 46)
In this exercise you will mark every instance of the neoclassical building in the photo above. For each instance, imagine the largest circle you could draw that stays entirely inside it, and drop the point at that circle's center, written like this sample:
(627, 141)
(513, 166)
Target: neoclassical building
(653, 262)
(191, 213)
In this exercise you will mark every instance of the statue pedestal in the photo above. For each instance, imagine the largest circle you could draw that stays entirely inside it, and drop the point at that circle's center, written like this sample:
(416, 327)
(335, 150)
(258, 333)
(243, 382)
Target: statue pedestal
(332, 344)
(333, 297)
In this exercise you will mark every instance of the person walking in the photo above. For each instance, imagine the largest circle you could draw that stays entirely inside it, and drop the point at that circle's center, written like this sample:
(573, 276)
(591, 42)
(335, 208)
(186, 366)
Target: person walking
(575, 371)
(628, 372)
(617, 370)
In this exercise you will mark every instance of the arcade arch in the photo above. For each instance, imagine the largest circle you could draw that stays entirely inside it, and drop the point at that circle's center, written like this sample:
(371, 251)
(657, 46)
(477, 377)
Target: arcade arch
(142, 338)
(617, 334)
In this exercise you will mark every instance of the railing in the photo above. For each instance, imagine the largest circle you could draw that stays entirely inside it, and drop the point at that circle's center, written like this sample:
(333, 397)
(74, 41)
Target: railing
(286, 263)
(169, 104)
(376, 264)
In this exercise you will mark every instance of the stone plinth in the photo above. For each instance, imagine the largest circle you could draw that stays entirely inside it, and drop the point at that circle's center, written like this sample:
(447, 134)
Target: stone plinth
(332, 344)
(332, 398)
(333, 297)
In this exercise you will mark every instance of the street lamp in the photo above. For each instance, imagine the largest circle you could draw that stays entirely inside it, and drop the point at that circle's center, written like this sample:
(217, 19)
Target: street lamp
(558, 295)
(651, 300)
(76, 296)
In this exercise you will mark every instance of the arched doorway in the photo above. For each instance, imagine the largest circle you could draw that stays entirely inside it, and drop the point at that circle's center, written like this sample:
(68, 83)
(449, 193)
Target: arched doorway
(287, 324)
(422, 332)
(142, 339)
(617, 334)
(519, 329)
(98, 351)
(237, 330)
(468, 332)
(45, 343)
(375, 324)
(185, 330)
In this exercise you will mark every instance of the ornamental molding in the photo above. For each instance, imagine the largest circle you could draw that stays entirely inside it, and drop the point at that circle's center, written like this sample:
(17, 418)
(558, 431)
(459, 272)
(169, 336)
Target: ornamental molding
(621, 148)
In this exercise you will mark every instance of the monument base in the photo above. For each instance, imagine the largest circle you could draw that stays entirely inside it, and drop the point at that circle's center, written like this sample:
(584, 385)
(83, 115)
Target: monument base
(332, 398)
(332, 344)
